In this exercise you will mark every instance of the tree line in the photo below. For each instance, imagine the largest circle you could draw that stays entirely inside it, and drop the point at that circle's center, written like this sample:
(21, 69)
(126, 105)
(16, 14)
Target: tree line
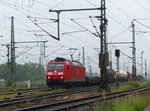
(26, 71)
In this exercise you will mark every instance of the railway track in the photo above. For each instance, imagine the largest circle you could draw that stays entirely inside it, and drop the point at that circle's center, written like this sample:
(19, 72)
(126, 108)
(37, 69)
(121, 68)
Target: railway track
(69, 104)
(6, 91)
(50, 97)
(17, 93)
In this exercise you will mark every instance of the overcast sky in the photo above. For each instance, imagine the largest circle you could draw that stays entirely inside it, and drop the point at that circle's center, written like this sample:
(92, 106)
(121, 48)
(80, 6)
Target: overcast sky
(120, 14)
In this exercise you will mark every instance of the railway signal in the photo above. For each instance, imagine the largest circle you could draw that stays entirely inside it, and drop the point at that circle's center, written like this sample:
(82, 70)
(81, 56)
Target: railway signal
(117, 54)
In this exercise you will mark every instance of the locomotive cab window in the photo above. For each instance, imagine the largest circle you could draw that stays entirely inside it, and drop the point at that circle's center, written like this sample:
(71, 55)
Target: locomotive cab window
(55, 66)
(59, 66)
(51, 66)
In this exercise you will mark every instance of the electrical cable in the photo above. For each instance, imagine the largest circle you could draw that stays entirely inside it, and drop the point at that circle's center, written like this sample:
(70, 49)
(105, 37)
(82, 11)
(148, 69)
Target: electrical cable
(44, 30)
(95, 27)
(54, 51)
(85, 28)
(29, 6)
(142, 6)
(142, 24)
(119, 33)
(91, 3)
(125, 13)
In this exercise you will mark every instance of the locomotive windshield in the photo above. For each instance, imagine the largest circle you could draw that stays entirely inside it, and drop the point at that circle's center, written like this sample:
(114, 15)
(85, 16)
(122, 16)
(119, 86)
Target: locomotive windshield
(55, 66)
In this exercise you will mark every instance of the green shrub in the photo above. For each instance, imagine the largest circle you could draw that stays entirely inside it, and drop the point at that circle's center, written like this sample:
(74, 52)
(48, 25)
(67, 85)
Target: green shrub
(103, 106)
(8, 83)
(41, 85)
(130, 103)
(134, 84)
(148, 83)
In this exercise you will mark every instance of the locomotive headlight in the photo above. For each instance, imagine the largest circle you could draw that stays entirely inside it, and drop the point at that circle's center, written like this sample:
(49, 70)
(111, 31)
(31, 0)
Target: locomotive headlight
(61, 77)
(48, 77)
(50, 73)
(60, 73)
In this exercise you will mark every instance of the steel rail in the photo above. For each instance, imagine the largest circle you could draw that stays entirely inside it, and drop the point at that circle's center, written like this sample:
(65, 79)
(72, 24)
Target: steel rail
(9, 102)
(65, 105)
(12, 91)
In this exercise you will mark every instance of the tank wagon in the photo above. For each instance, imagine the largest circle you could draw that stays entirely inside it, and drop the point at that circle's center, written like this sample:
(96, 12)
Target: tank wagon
(121, 76)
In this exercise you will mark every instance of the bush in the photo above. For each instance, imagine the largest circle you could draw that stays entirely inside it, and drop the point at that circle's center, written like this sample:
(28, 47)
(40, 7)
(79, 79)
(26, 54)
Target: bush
(8, 83)
(131, 103)
(134, 84)
(103, 106)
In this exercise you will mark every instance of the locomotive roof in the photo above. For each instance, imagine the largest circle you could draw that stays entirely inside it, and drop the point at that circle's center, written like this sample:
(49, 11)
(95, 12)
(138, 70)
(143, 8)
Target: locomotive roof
(60, 59)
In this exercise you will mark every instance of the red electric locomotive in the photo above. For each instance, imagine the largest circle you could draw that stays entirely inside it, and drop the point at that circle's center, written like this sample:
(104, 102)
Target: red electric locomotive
(63, 72)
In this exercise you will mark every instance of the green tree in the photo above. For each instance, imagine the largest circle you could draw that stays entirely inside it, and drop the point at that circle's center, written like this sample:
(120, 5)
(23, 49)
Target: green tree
(27, 71)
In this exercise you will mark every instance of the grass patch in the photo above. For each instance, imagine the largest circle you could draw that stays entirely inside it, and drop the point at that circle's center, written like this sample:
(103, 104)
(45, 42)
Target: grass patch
(129, 85)
(130, 103)
(102, 106)
(148, 83)
(133, 84)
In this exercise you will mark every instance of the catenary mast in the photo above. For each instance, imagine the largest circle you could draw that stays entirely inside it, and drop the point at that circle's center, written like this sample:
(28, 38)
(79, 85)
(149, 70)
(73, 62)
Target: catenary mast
(103, 56)
(12, 62)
